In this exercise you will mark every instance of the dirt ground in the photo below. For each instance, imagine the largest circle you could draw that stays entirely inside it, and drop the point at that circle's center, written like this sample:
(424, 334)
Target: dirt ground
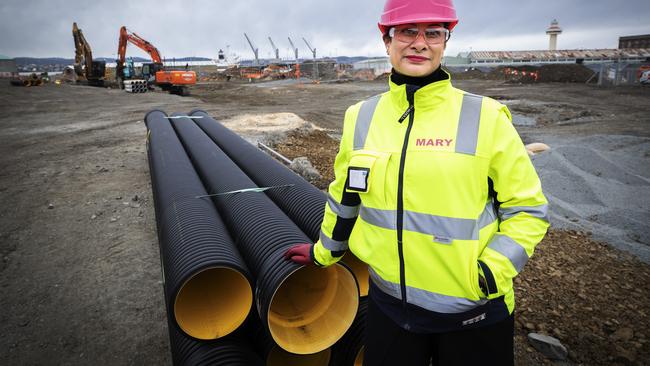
(80, 267)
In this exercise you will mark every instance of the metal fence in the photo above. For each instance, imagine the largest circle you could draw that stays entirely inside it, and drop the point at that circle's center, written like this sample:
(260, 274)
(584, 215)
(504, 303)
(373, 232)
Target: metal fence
(621, 73)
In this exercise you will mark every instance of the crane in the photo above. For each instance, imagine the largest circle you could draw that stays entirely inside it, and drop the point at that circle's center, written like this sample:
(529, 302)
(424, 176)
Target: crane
(277, 51)
(174, 81)
(255, 49)
(295, 49)
(313, 51)
(84, 65)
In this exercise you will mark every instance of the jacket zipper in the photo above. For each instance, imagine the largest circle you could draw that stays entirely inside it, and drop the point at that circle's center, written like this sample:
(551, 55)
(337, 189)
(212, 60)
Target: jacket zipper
(400, 199)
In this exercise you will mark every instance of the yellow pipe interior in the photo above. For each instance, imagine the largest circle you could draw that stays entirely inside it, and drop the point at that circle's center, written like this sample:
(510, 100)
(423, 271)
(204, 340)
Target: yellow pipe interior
(358, 361)
(360, 270)
(280, 357)
(313, 308)
(213, 303)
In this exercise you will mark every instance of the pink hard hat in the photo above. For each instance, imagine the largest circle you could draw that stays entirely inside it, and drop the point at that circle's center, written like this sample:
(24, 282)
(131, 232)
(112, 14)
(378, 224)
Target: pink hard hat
(398, 12)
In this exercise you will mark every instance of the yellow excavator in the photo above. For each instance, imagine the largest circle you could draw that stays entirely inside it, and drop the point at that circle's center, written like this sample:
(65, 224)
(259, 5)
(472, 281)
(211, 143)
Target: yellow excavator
(84, 65)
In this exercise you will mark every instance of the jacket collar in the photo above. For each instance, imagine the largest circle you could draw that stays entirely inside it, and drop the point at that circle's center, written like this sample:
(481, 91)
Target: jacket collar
(434, 90)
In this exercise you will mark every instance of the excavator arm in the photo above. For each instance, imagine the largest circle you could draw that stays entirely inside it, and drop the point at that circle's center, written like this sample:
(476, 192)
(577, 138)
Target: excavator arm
(126, 36)
(83, 59)
(173, 81)
(78, 47)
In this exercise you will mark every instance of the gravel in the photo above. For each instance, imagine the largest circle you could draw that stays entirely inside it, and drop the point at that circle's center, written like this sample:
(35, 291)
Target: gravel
(600, 184)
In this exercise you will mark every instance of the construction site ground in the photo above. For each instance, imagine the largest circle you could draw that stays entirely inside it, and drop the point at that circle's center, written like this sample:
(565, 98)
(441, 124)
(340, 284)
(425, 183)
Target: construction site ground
(80, 272)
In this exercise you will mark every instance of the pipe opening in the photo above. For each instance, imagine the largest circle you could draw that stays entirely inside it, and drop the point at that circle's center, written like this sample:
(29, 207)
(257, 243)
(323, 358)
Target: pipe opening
(360, 270)
(280, 357)
(213, 303)
(358, 361)
(313, 308)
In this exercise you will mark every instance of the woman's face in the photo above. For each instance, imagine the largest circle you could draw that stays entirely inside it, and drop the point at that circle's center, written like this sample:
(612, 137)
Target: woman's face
(419, 57)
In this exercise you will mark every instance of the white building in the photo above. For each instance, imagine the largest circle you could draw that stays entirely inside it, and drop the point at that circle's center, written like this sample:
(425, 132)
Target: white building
(379, 66)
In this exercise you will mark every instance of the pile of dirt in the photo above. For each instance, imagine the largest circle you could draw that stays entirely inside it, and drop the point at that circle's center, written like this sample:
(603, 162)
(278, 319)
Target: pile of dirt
(468, 74)
(568, 73)
(562, 73)
(593, 298)
(383, 77)
(518, 74)
(317, 146)
(364, 74)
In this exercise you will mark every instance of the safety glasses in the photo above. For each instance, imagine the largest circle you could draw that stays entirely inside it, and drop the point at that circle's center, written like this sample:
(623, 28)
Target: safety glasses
(432, 35)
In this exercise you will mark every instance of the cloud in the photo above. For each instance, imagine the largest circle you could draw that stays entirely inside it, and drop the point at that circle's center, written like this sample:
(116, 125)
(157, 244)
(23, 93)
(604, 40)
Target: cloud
(42, 28)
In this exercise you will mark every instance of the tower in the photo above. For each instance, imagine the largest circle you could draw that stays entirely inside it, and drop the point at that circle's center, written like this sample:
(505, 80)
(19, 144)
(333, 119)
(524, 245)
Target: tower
(552, 31)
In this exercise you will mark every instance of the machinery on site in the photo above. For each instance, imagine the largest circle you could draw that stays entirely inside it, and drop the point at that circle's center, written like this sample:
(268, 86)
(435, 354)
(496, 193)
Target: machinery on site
(645, 78)
(173, 81)
(275, 49)
(294, 48)
(85, 67)
(313, 51)
(31, 80)
(255, 50)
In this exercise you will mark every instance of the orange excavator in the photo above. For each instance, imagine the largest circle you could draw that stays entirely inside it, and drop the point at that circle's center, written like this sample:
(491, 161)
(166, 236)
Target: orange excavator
(174, 81)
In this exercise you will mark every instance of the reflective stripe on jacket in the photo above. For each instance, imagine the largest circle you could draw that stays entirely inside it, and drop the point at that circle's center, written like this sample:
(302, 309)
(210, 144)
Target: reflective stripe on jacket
(411, 198)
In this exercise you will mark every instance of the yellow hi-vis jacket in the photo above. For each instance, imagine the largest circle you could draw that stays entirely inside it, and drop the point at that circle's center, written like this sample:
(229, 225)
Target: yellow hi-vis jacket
(411, 198)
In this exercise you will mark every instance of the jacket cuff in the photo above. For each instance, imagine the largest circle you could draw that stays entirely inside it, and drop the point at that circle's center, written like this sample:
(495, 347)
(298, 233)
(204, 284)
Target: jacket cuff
(313, 257)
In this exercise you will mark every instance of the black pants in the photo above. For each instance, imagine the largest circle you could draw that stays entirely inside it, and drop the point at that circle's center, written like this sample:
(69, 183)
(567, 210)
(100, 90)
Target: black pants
(389, 344)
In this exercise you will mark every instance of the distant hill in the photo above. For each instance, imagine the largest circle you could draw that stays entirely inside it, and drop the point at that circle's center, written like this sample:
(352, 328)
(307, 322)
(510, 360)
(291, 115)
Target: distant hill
(24, 61)
(350, 59)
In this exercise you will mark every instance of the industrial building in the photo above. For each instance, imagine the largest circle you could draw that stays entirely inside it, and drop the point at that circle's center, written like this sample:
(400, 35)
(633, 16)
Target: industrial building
(496, 58)
(633, 49)
(642, 41)
(379, 65)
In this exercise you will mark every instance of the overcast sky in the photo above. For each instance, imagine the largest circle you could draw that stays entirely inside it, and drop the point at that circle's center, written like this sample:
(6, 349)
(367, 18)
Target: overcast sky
(335, 27)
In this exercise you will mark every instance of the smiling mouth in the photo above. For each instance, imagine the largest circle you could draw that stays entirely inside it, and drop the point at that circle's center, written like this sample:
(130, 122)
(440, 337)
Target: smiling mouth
(417, 58)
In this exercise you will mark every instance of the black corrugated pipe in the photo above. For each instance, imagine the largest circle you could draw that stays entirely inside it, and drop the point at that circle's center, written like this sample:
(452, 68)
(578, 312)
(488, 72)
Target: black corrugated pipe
(232, 350)
(348, 351)
(274, 355)
(207, 285)
(306, 309)
(302, 202)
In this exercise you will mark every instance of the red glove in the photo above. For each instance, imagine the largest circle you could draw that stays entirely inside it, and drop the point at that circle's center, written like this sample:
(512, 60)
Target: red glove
(300, 253)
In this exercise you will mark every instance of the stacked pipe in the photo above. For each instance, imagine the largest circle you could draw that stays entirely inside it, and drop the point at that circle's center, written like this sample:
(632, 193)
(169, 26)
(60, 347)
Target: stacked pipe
(348, 351)
(306, 309)
(304, 204)
(274, 355)
(135, 86)
(232, 350)
(207, 284)
(301, 201)
(27, 82)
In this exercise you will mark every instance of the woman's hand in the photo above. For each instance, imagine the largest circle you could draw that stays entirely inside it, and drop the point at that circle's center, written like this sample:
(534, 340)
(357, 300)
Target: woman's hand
(300, 253)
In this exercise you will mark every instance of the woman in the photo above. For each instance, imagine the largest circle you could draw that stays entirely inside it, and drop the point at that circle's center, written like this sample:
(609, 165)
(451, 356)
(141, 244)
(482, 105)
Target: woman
(434, 190)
